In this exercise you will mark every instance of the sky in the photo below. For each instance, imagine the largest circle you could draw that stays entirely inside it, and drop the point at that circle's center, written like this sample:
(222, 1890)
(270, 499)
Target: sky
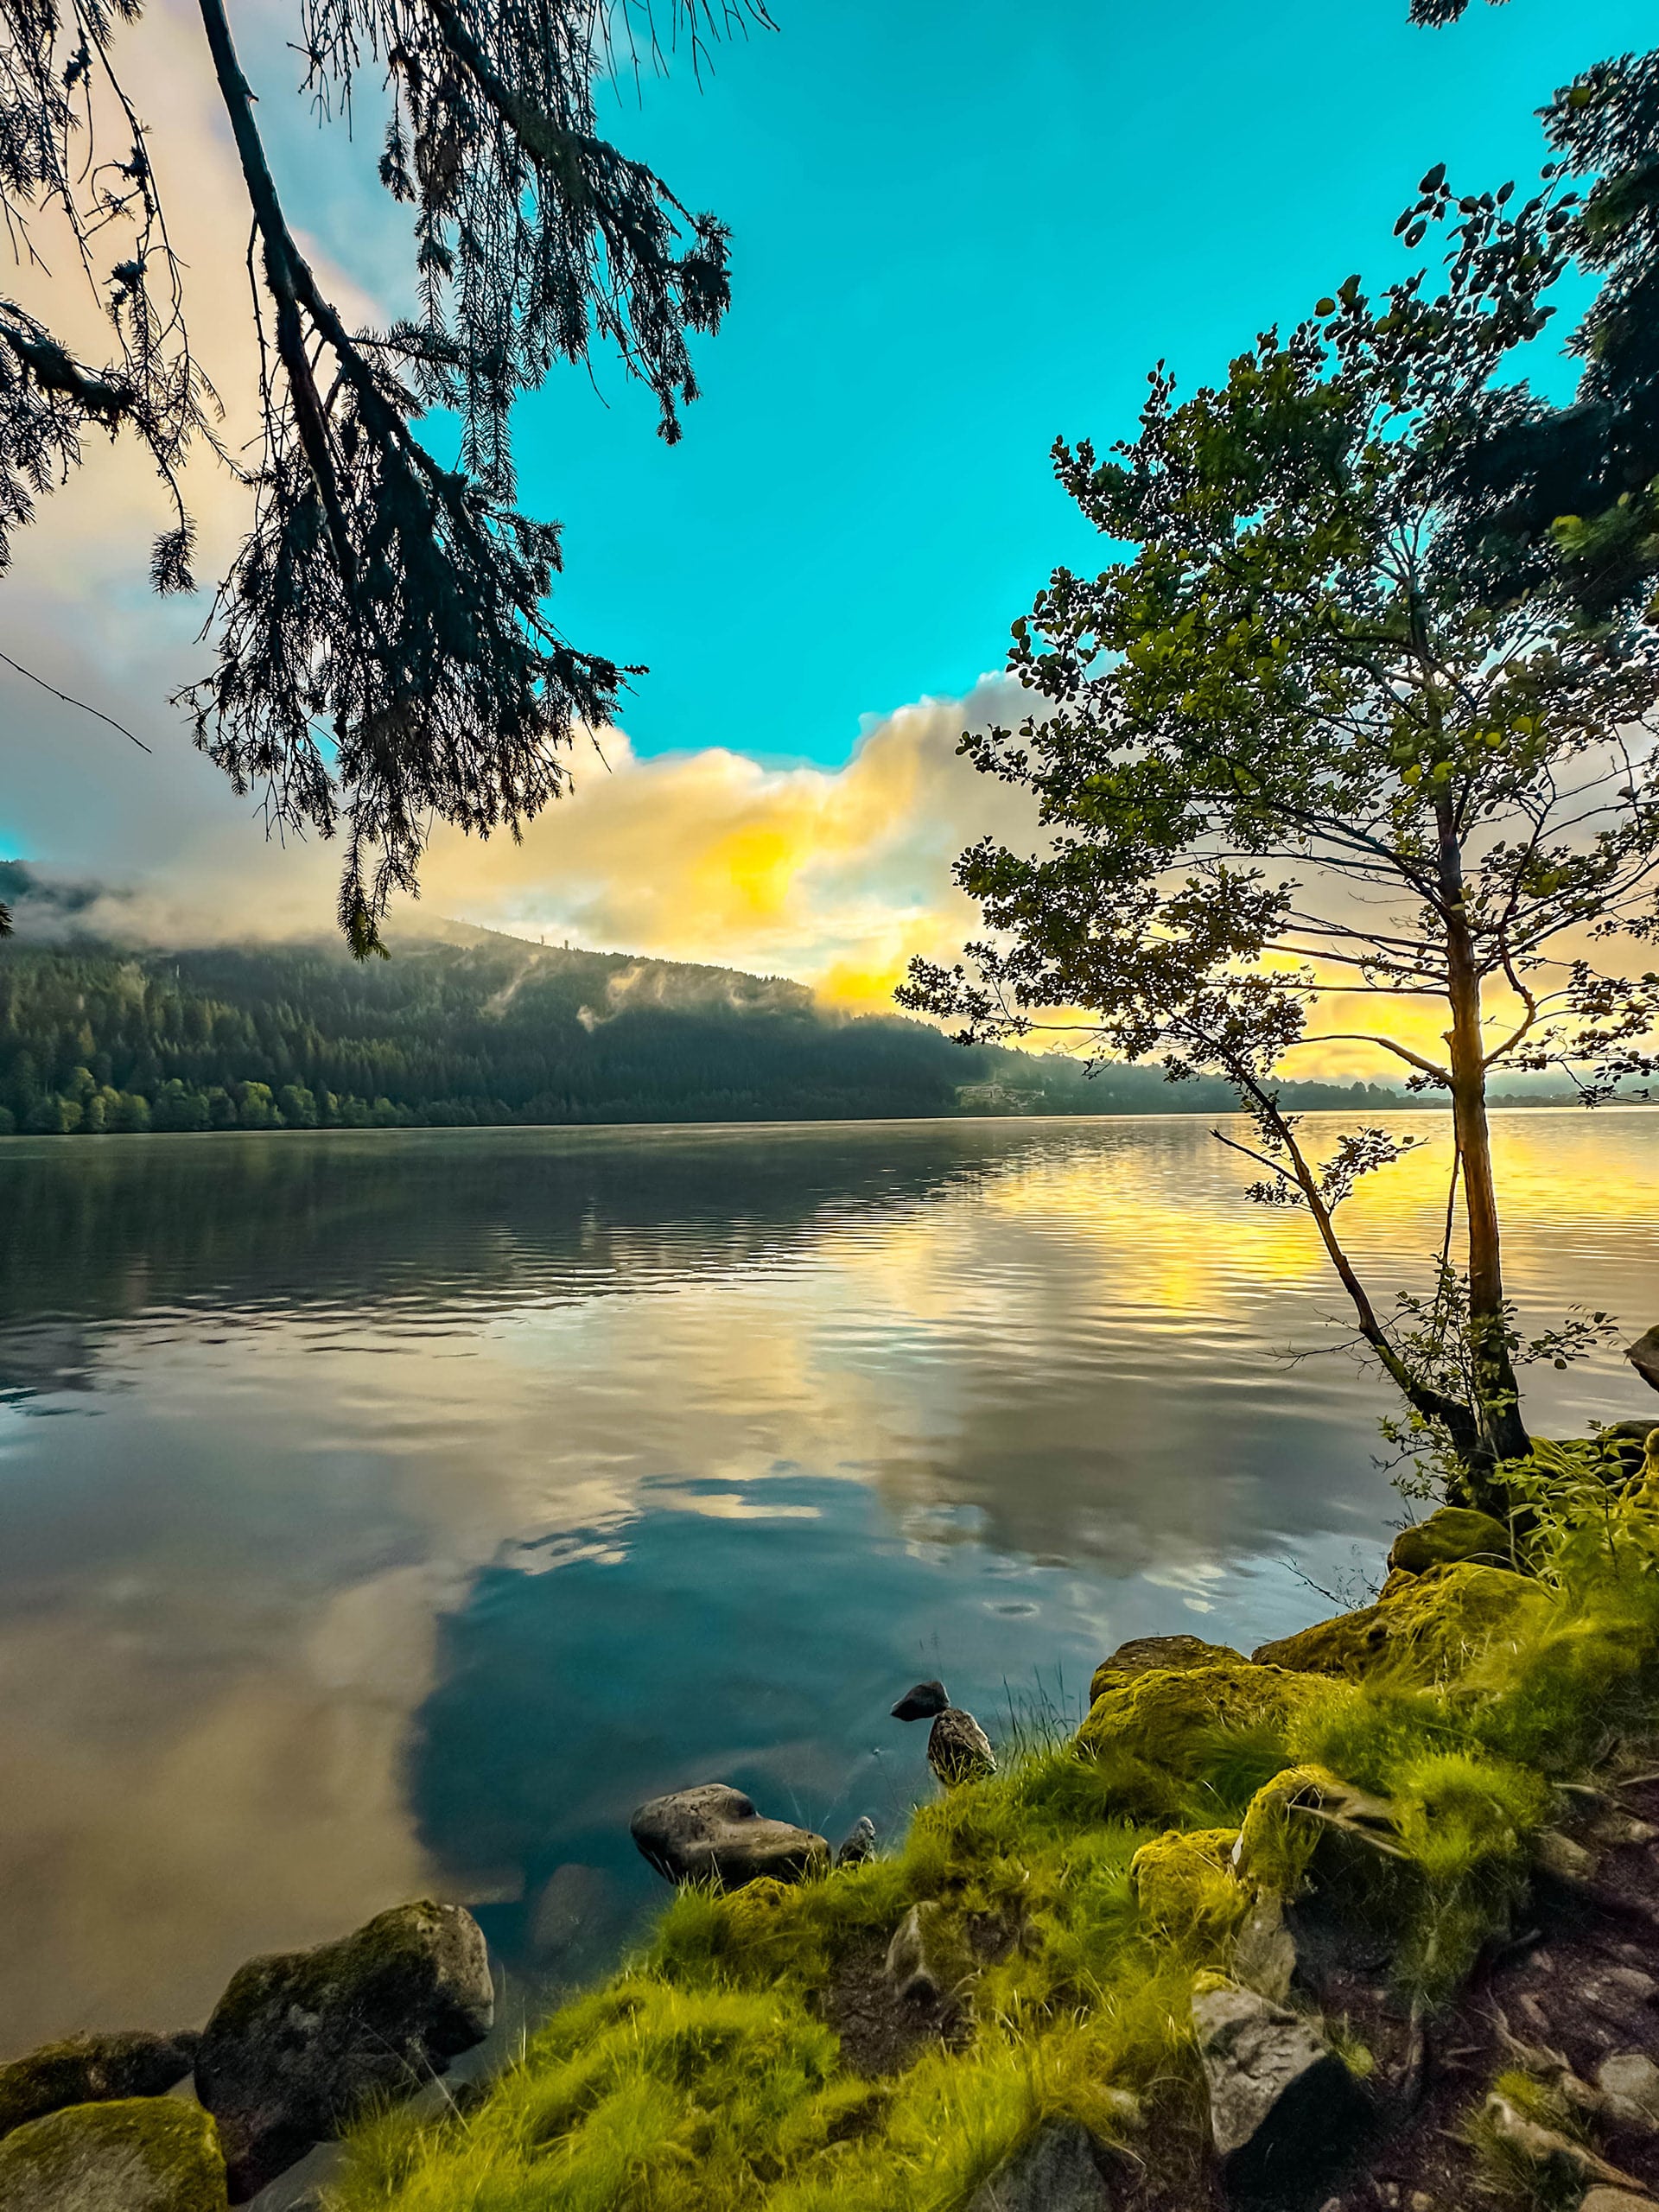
(957, 233)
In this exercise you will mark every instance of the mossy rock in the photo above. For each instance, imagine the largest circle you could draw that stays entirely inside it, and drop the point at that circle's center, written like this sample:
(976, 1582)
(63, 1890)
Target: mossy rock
(1185, 1884)
(132, 2154)
(1144, 1654)
(1427, 1632)
(304, 2042)
(1169, 1717)
(1454, 1534)
(88, 2070)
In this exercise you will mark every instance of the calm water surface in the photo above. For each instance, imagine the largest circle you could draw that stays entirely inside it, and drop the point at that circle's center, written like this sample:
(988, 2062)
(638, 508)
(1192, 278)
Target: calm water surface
(391, 1513)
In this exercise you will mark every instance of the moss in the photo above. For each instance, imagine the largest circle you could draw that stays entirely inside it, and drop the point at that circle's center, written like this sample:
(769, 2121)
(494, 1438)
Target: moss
(1185, 1885)
(1454, 1534)
(1431, 1627)
(1167, 1653)
(145, 2154)
(1170, 1718)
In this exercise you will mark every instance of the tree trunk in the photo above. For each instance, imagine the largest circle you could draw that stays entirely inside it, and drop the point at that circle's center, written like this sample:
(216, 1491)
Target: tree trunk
(1497, 1393)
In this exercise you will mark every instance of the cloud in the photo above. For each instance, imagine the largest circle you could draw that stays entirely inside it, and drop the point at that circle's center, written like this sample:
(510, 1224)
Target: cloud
(832, 875)
(835, 876)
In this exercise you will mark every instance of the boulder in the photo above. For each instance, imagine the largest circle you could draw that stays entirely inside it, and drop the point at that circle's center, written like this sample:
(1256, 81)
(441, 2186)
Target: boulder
(713, 1833)
(1281, 2102)
(1142, 1655)
(1615, 2200)
(303, 2042)
(927, 1959)
(1644, 1356)
(1168, 1716)
(1055, 2171)
(1428, 1630)
(129, 2154)
(1456, 1532)
(1629, 2081)
(89, 2070)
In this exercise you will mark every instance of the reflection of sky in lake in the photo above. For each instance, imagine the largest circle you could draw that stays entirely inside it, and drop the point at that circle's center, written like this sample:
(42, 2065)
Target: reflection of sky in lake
(387, 1513)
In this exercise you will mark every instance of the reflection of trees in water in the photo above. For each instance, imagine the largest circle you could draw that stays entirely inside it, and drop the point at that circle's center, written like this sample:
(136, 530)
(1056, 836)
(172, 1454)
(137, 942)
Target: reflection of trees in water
(112, 1228)
(47, 1356)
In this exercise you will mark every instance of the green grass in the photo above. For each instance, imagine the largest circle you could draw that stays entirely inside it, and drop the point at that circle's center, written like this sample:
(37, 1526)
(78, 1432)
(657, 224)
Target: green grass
(704, 2079)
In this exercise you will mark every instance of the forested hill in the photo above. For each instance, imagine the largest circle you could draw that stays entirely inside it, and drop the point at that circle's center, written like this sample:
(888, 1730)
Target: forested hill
(466, 1027)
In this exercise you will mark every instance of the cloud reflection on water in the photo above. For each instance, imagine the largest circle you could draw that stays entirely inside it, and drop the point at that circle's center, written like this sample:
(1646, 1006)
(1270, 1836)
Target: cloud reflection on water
(416, 1504)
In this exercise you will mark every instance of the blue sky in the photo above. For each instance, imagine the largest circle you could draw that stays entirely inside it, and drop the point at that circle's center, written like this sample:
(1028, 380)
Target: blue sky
(959, 230)
(957, 233)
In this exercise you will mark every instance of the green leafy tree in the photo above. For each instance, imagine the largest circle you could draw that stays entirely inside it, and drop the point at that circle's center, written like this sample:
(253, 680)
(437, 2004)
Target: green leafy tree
(1575, 490)
(1284, 749)
(383, 650)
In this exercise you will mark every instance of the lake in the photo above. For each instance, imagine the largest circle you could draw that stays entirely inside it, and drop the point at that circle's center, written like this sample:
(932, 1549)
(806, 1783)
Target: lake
(389, 1513)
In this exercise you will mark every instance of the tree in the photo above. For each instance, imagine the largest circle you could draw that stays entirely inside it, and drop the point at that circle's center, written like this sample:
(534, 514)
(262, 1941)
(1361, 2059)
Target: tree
(1287, 749)
(383, 652)
(1576, 488)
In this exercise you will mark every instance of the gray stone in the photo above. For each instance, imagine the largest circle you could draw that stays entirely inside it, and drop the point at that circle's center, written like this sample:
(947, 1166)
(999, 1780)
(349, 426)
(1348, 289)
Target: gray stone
(858, 1845)
(1264, 1950)
(1629, 2080)
(1282, 2102)
(713, 1833)
(89, 2070)
(1644, 1356)
(129, 2154)
(1056, 2171)
(1623, 1996)
(303, 2042)
(925, 1960)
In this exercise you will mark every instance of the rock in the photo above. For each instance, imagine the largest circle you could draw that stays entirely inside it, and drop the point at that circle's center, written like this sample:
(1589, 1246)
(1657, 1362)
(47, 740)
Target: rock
(713, 1833)
(1455, 1533)
(1615, 2200)
(566, 1909)
(1264, 1950)
(1056, 2171)
(858, 1847)
(130, 2154)
(1169, 1654)
(1168, 1716)
(1623, 1445)
(1630, 2081)
(926, 1959)
(1184, 1883)
(1561, 1859)
(1431, 1629)
(89, 2069)
(1282, 2102)
(1546, 2148)
(303, 2042)
(1623, 1995)
(1644, 1356)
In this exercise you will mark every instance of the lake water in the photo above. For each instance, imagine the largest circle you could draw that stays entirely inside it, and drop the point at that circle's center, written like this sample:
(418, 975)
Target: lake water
(390, 1513)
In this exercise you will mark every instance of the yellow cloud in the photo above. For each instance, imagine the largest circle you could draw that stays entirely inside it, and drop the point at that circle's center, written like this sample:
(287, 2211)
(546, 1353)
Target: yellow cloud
(832, 875)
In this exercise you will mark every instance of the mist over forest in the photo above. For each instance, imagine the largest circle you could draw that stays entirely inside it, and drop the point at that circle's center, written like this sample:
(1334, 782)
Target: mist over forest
(462, 1027)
